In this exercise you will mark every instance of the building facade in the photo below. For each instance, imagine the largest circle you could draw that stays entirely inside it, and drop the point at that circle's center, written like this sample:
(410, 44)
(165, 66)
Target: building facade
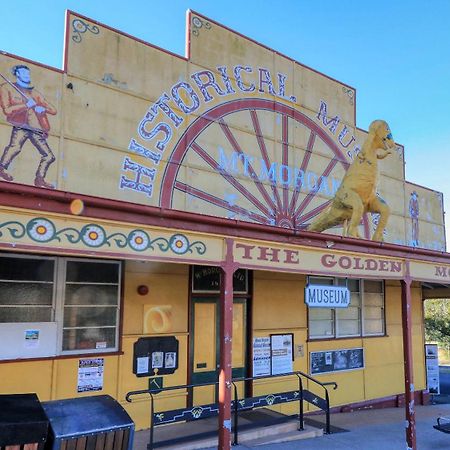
(154, 226)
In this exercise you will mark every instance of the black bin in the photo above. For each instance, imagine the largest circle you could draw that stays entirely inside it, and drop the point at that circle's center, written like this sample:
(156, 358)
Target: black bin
(98, 423)
(22, 421)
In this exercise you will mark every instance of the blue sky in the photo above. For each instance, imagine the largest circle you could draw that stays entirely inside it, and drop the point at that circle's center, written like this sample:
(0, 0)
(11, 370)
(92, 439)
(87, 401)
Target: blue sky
(396, 54)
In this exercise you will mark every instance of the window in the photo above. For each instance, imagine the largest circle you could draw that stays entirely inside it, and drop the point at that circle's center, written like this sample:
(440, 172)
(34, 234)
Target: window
(363, 317)
(82, 297)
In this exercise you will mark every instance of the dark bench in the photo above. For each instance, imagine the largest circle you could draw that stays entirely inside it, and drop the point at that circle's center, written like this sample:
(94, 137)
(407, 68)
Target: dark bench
(443, 424)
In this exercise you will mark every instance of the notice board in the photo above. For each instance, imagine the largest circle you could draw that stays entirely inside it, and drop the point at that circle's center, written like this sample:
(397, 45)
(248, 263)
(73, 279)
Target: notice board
(336, 360)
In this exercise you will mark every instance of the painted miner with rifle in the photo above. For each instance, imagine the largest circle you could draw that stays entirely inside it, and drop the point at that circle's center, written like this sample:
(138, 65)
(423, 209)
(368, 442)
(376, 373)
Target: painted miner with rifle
(26, 110)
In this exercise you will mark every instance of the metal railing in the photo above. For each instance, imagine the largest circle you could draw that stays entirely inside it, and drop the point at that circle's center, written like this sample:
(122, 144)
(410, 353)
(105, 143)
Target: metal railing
(246, 403)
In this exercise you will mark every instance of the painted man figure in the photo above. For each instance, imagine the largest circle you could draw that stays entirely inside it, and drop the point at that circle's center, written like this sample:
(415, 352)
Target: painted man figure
(26, 110)
(414, 214)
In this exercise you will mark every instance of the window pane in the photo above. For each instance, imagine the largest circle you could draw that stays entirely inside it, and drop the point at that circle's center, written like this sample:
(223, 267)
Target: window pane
(321, 281)
(321, 328)
(89, 338)
(347, 313)
(320, 313)
(26, 294)
(373, 326)
(373, 300)
(92, 272)
(25, 314)
(373, 312)
(353, 285)
(26, 269)
(373, 286)
(348, 327)
(83, 316)
(91, 295)
(355, 299)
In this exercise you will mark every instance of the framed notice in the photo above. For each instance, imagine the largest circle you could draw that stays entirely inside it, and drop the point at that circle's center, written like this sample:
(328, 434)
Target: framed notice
(336, 360)
(432, 362)
(282, 354)
(261, 356)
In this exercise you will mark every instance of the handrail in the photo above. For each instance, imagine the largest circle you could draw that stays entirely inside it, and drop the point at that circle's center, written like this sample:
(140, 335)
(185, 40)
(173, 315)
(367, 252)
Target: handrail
(298, 374)
(153, 392)
(170, 388)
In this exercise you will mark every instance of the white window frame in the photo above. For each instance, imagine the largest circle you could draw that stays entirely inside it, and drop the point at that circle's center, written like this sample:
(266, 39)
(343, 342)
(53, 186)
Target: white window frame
(335, 320)
(62, 283)
(58, 300)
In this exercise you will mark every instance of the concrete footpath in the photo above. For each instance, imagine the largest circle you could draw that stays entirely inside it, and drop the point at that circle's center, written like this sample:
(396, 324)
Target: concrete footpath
(380, 429)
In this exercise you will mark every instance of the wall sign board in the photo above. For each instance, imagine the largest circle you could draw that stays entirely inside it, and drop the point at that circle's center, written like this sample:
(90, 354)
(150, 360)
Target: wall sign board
(336, 360)
(155, 356)
(327, 296)
(432, 362)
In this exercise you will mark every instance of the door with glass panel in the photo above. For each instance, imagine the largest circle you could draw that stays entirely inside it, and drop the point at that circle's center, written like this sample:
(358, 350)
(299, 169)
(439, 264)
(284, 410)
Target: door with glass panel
(205, 335)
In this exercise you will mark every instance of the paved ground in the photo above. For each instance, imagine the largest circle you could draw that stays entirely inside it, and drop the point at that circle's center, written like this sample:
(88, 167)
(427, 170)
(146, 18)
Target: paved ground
(375, 430)
(368, 430)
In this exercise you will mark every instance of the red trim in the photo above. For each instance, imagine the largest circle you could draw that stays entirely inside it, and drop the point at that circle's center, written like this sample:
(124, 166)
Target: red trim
(392, 401)
(134, 38)
(46, 200)
(272, 50)
(410, 417)
(66, 41)
(422, 187)
(52, 358)
(187, 40)
(226, 335)
(30, 61)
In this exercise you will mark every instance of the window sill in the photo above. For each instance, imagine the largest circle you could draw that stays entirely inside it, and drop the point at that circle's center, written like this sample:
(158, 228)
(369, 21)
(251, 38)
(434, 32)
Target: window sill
(346, 338)
(71, 356)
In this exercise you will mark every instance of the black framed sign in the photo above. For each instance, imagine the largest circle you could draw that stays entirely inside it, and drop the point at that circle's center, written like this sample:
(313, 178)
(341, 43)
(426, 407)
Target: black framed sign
(336, 360)
(207, 279)
(155, 356)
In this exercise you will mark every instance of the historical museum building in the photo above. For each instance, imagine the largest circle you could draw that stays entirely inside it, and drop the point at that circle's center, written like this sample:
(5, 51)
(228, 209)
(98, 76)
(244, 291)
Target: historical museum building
(174, 219)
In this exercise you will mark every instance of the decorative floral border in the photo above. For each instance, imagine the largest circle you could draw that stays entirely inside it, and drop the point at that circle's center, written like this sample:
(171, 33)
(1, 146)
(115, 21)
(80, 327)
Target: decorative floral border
(79, 27)
(198, 23)
(92, 235)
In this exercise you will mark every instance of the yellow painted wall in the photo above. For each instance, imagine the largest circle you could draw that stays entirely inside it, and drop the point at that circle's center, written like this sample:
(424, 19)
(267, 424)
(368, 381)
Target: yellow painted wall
(278, 307)
(168, 292)
(112, 83)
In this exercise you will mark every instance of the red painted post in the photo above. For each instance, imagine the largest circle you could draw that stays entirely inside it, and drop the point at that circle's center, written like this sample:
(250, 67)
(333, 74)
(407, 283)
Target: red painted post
(410, 423)
(226, 333)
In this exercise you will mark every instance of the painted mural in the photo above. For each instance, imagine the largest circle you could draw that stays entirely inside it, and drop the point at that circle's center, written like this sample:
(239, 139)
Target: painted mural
(26, 110)
(234, 130)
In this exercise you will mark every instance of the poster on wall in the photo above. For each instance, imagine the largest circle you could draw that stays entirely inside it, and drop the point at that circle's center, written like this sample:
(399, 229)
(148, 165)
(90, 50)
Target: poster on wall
(282, 353)
(31, 339)
(336, 360)
(432, 362)
(90, 374)
(261, 356)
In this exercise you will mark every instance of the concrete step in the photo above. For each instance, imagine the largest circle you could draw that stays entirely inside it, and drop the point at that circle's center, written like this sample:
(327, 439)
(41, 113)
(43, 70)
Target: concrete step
(258, 436)
(307, 433)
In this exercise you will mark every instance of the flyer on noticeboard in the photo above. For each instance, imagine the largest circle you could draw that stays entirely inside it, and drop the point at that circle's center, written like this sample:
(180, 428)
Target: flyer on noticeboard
(90, 374)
